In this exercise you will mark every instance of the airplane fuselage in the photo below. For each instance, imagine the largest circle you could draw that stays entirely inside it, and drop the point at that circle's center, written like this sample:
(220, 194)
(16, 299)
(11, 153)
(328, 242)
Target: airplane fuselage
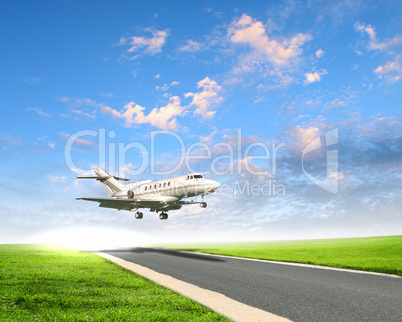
(177, 188)
(157, 196)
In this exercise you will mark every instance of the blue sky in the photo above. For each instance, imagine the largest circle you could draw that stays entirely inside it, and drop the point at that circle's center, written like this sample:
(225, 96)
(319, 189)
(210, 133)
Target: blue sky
(225, 85)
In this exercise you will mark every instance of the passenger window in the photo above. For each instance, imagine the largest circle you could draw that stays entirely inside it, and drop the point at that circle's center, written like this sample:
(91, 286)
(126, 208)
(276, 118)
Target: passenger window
(191, 177)
(160, 185)
(164, 184)
(168, 183)
(155, 187)
(146, 188)
(188, 177)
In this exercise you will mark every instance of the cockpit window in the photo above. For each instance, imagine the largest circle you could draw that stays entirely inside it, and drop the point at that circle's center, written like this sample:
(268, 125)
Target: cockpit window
(198, 176)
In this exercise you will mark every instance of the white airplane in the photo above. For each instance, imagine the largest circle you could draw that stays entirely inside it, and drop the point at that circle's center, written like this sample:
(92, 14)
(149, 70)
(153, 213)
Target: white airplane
(159, 196)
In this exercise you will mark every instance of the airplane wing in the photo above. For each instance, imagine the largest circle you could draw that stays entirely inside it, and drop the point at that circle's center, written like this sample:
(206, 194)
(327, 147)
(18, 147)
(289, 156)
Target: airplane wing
(128, 204)
(189, 202)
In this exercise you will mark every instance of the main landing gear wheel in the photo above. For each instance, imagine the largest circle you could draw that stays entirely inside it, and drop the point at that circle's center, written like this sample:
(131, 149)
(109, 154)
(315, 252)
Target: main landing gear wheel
(138, 215)
(203, 205)
(163, 215)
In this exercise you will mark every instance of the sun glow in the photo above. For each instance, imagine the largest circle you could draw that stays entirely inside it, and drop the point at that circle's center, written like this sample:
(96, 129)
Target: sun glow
(92, 238)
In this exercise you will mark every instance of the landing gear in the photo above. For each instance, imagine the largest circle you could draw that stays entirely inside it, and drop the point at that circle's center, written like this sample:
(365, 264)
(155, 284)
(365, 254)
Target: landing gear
(202, 203)
(163, 215)
(138, 215)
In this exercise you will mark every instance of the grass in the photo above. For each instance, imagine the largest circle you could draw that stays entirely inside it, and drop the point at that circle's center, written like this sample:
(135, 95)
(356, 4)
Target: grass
(45, 283)
(375, 254)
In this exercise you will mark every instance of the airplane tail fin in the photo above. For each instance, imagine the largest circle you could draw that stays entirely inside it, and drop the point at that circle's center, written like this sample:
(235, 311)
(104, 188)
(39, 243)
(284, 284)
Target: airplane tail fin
(110, 183)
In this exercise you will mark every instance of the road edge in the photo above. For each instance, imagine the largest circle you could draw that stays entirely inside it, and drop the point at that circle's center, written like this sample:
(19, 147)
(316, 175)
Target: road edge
(329, 268)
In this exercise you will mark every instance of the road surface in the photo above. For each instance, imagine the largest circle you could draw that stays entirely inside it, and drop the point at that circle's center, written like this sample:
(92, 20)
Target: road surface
(295, 292)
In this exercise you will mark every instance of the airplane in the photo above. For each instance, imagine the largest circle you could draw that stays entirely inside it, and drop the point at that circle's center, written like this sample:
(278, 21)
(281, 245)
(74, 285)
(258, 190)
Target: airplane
(159, 196)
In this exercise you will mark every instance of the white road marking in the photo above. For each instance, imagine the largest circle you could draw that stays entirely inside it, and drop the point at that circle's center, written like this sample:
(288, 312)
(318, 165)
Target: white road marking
(220, 303)
(290, 264)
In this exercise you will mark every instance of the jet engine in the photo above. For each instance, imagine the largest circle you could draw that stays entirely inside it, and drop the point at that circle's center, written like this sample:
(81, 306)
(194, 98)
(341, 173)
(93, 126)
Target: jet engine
(130, 194)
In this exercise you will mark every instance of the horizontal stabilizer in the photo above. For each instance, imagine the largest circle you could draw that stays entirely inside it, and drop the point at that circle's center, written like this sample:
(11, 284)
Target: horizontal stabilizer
(102, 178)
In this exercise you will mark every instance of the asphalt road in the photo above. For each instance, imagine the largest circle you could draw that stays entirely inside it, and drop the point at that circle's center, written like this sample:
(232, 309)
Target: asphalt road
(297, 293)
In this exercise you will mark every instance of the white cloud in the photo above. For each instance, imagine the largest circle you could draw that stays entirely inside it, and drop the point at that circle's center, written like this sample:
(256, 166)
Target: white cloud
(108, 110)
(157, 76)
(391, 71)
(163, 88)
(110, 95)
(319, 53)
(253, 33)
(64, 99)
(151, 45)
(38, 111)
(80, 106)
(81, 142)
(56, 179)
(259, 99)
(81, 112)
(304, 135)
(163, 117)
(206, 99)
(313, 77)
(374, 43)
(8, 140)
(389, 67)
(77, 101)
(193, 46)
(31, 80)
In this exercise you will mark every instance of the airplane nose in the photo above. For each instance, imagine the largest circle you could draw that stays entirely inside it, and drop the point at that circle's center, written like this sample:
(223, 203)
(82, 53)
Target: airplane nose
(213, 185)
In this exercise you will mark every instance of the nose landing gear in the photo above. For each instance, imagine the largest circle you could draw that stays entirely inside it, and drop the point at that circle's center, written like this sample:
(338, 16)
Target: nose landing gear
(138, 215)
(203, 204)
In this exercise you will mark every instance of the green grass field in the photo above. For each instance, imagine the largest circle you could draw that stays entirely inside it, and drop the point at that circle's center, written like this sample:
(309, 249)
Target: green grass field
(45, 283)
(375, 254)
